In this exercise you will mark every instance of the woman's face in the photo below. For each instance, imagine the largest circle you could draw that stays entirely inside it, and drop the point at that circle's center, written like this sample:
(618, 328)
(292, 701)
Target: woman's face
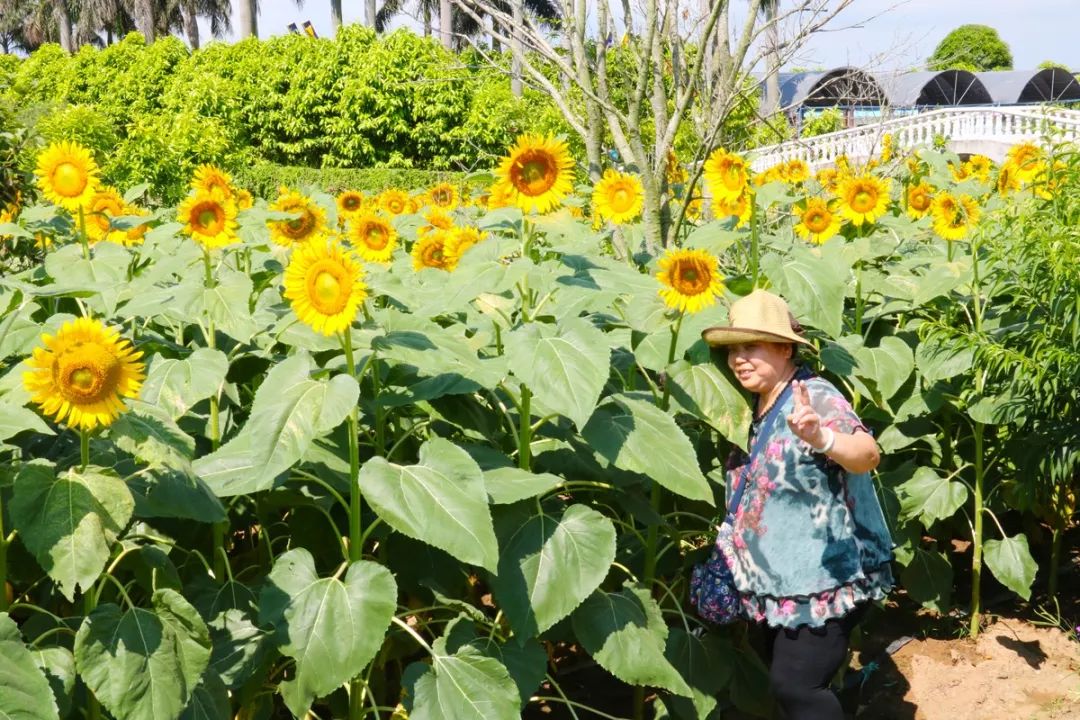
(759, 365)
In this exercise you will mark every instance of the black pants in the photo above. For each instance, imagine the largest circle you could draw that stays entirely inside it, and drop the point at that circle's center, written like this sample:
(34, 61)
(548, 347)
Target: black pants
(802, 663)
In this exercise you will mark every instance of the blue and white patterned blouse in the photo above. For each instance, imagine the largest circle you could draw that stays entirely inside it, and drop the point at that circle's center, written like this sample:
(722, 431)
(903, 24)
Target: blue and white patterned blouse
(809, 539)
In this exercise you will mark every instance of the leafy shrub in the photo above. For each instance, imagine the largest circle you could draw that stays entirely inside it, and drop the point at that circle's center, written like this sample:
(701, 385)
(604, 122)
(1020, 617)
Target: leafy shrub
(971, 47)
(264, 179)
(827, 121)
(82, 123)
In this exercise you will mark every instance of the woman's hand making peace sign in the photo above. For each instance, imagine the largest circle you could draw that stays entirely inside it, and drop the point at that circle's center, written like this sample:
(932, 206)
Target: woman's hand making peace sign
(804, 420)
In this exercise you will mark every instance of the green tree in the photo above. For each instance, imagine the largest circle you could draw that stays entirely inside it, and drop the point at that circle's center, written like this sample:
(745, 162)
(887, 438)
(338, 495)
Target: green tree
(971, 47)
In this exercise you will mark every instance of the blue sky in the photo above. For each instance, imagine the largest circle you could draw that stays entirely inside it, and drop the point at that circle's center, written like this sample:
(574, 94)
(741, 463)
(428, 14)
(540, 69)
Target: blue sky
(885, 34)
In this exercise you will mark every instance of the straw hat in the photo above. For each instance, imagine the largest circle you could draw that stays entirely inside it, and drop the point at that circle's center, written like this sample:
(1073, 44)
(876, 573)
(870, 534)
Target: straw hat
(760, 316)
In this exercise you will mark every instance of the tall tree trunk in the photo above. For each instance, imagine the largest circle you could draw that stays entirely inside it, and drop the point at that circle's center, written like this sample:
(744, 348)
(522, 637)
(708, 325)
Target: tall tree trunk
(248, 19)
(144, 19)
(772, 43)
(515, 47)
(446, 25)
(427, 18)
(369, 13)
(191, 23)
(63, 20)
(335, 15)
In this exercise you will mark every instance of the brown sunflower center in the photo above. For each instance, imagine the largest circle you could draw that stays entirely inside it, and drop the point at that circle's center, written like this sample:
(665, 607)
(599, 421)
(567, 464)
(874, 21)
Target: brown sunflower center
(208, 218)
(732, 175)
(375, 237)
(534, 173)
(328, 287)
(299, 228)
(351, 203)
(442, 197)
(863, 200)
(621, 199)
(817, 220)
(87, 374)
(919, 200)
(432, 255)
(69, 179)
(691, 277)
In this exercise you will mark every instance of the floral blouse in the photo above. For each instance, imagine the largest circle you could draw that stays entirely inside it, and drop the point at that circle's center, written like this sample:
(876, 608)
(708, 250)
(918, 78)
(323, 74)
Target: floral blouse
(809, 540)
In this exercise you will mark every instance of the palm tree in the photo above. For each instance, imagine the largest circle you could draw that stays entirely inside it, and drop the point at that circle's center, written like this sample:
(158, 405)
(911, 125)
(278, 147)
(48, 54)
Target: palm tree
(463, 24)
(186, 14)
(247, 16)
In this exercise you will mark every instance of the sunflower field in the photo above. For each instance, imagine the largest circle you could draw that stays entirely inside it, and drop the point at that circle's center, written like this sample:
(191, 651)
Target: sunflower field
(422, 453)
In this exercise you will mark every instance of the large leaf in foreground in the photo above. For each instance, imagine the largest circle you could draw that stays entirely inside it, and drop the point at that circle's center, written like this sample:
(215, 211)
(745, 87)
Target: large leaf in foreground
(291, 409)
(1011, 562)
(564, 367)
(143, 664)
(331, 627)
(24, 692)
(930, 497)
(626, 633)
(464, 685)
(705, 662)
(176, 385)
(814, 286)
(70, 521)
(637, 436)
(704, 391)
(441, 500)
(549, 564)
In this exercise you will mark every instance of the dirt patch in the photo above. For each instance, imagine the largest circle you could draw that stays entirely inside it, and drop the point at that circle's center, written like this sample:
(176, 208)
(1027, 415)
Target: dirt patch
(1013, 670)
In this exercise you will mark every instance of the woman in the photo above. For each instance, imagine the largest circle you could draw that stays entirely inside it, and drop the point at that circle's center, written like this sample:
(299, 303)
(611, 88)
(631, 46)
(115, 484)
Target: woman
(809, 547)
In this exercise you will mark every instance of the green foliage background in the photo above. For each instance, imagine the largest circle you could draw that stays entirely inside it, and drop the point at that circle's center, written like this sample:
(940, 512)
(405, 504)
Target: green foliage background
(971, 47)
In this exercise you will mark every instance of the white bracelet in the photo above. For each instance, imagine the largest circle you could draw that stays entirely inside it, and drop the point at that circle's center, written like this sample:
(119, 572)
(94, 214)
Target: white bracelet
(824, 449)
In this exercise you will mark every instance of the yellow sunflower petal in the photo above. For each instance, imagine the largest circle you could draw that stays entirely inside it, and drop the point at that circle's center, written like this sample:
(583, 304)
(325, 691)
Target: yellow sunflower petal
(863, 198)
(690, 278)
(373, 237)
(537, 174)
(618, 197)
(817, 221)
(430, 251)
(209, 219)
(67, 174)
(310, 223)
(324, 284)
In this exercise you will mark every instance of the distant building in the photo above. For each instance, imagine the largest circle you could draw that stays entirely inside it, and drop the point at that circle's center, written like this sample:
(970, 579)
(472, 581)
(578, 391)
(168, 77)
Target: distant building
(866, 96)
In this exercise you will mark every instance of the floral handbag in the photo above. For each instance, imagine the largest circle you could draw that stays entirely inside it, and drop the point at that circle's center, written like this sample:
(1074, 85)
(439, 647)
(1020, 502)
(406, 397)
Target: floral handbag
(712, 586)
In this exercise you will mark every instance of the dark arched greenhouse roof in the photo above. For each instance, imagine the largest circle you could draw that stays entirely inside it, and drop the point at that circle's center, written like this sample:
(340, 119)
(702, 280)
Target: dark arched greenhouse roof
(841, 86)
(948, 87)
(1012, 87)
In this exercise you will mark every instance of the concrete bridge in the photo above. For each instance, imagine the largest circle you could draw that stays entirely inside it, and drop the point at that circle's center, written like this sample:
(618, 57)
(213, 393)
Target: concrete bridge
(989, 131)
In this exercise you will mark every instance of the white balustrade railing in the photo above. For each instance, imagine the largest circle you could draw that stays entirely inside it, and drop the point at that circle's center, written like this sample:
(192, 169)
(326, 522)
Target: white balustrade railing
(1002, 124)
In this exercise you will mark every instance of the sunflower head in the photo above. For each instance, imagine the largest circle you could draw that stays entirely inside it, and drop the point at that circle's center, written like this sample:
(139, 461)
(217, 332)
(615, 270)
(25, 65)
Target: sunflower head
(99, 212)
(1026, 159)
(309, 223)
(430, 251)
(829, 179)
(67, 174)
(244, 200)
(817, 221)
(726, 174)
(979, 167)
(618, 197)
(209, 178)
(81, 375)
(537, 173)
(458, 241)
(498, 196)
(134, 235)
(954, 217)
(373, 237)
(209, 219)
(796, 171)
(324, 283)
(674, 172)
(1007, 180)
(435, 219)
(350, 203)
(863, 198)
(919, 198)
(739, 207)
(690, 279)
(443, 196)
(395, 202)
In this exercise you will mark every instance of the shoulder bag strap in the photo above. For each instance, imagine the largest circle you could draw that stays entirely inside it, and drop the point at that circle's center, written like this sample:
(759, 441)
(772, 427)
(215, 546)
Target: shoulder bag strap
(755, 450)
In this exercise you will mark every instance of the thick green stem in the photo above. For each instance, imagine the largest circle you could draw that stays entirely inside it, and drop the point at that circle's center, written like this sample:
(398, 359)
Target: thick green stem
(219, 555)
(356, 528)
(754, 245)
(93, 707)
(525, 429)
(1055, 563)
(357, 691)
(859, 307)
(3, 561)
(84, 449)
(976, 558)
(380, 417)
(83, 237)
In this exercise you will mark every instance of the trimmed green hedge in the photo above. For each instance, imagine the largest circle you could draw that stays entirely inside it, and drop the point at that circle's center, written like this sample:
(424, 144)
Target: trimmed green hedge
(264, 179)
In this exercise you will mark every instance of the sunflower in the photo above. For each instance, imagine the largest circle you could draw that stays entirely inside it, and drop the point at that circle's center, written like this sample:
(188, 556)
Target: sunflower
(536, 175)
(430, 251)
(888, 147)
(618, 197)
(458, 241)
(674, 172)
(693, 209)
(209, 178)
(310, 224)
(960, 172)
(1026, 159)
(829, 179)
(134, 235)
(979, 167)
(1007, 179)
(67, 174)
(499, 196)
(373, 237)
(817, 221)
(83, 373)
(739, 208)
(102, 207)
(209, 219)
(435, 219)
(324, 283)
(691, 279)
(795, 171)
(395, 202)
(443, 196)
(350, 203)
(863, 198)
(726, 174)
(954, 217)
(244, 200)
(919, 197)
